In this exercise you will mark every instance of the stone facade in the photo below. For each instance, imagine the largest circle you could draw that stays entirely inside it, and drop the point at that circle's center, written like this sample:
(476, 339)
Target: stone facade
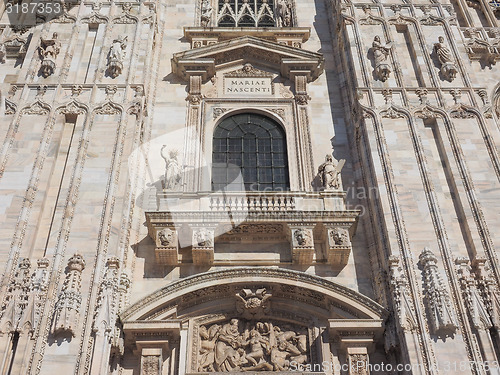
(121, 256)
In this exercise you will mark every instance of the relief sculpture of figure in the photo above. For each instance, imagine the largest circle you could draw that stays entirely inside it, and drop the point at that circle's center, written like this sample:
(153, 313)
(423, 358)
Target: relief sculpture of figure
(203, 238)
(172, 176)
(329, 173)
(240, 346)
(166, 237)
(443, 53)
(302, 237)
(380, 53)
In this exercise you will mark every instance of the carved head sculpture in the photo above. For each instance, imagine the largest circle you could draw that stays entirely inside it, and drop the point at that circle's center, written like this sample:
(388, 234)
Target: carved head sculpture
(441, 39)
(166, 237)
(376, 39)
(302, 237)
(339, 236)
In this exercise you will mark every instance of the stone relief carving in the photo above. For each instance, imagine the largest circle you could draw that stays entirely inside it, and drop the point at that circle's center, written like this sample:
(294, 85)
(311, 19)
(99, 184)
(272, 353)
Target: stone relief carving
(302, 237)
(106, 309)
(172, 177)
(405, 312)
(380, 53)
(251, 346)
(167, 237)
(477, 310)
(116, 55)
(443, 53)
(16, 298)
(49, 49)
(441, 317)
(253, 304)
(206, 12)
(67, 310)
(339, 237)
(203, 238)
(329, 173)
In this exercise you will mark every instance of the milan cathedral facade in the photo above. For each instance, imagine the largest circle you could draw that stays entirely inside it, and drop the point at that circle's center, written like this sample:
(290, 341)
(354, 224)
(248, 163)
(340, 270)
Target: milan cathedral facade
(210, 186)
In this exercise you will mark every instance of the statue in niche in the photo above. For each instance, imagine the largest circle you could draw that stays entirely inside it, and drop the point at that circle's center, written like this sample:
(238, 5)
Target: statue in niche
(250, 346)
(3, 52)
(49, 49)
(203, 238)
(116, 55)
(166, 237)
(302, 237)
(172, 176)
(329, 173)
(206, 12)
(284, 14)
(380, 53)
(443, 53)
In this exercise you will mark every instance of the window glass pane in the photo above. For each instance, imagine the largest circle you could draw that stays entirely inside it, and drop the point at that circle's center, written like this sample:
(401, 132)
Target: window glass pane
(249, 152)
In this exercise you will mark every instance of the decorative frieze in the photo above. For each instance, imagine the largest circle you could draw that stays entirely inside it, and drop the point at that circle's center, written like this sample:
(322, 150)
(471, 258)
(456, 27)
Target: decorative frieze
(440, 313)
(67, 310)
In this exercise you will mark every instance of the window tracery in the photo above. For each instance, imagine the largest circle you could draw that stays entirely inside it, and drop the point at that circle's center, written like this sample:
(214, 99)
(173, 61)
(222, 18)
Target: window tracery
(254, 13)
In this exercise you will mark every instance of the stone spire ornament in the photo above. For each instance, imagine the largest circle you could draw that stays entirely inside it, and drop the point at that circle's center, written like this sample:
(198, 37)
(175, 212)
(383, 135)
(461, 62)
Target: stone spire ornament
(441, 317)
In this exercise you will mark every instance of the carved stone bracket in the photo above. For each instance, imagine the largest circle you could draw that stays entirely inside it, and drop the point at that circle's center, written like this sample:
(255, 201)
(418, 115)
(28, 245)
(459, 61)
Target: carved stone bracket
(167, 245)
(338, 245)
(203, 245)
(302, 243)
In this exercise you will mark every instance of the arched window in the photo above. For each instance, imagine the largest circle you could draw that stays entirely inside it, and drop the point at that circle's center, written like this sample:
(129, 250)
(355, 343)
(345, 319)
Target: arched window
(249, 153)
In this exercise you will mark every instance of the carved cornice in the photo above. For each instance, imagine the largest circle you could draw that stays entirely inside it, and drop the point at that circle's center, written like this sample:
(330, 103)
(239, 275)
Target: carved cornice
(363, 305)
(288, 60)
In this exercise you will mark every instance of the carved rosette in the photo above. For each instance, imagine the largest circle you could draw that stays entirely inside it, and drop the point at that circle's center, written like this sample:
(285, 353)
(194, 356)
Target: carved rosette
(338, 245)
(67, 310)
(302, 244)
(167, 246)
(203, 245)
(242, 345)
(441, 317)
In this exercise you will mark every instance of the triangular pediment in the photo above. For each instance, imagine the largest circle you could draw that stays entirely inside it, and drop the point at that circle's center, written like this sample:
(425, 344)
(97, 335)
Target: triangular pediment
(207, 60)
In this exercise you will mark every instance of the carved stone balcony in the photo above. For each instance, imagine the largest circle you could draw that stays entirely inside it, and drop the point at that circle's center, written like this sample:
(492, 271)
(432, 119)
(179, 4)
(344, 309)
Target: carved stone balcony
(213, 228)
